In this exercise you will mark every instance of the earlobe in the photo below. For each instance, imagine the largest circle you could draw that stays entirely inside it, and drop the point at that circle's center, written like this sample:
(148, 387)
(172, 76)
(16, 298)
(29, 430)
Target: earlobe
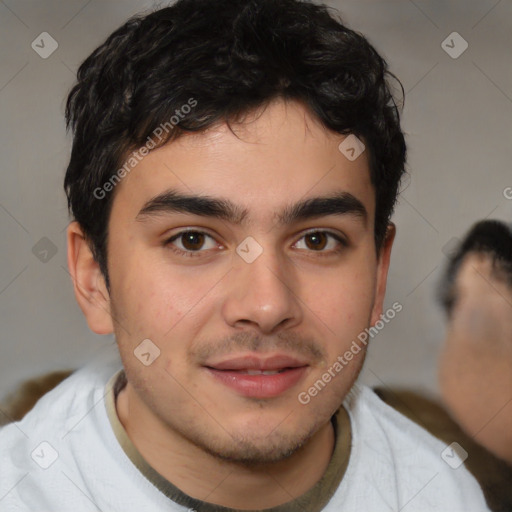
(88, 282)
(382, 272)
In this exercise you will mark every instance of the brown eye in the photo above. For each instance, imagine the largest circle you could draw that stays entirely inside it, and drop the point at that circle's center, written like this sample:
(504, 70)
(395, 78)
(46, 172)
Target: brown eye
(316, 241)
(322, 242)
(190, 243)
(192, 240)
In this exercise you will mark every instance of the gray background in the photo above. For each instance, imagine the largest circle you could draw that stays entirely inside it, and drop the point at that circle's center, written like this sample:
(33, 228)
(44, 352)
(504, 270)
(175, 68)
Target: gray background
(458, 120)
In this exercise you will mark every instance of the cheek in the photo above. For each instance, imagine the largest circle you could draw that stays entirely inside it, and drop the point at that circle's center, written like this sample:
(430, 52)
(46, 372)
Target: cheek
(347, 293)
(457, 371)
(341, 307)
(156, 293)
(471, 385)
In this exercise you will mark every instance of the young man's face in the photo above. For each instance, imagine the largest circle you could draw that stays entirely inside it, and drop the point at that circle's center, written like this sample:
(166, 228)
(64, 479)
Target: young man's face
(218, 310)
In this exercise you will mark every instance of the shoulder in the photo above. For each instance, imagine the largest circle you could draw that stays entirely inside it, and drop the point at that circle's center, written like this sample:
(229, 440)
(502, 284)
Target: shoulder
(30, 446)
(402, 462)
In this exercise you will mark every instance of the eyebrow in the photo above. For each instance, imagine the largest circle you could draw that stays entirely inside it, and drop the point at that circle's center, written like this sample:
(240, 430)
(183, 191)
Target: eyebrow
(172, 201)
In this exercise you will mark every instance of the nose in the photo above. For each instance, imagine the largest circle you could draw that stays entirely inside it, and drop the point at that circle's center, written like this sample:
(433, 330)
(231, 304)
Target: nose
(263, 294)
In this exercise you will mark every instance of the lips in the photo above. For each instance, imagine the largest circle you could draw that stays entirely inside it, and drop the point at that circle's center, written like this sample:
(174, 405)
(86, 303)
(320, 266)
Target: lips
(256, 377)
(275, 363)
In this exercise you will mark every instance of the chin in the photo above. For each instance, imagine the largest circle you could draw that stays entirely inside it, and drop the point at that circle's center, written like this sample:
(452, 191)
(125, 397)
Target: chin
(253, 444)
(251, 453)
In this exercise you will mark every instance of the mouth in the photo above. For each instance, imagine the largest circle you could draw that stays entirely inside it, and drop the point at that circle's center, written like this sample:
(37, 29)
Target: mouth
(258, 372)
(256, 377)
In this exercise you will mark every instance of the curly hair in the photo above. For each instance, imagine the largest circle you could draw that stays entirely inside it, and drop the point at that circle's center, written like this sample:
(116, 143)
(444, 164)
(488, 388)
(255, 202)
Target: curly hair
(230, 57)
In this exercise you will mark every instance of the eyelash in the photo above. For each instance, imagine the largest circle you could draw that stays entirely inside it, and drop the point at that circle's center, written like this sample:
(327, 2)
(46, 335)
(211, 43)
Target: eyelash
(191, 254)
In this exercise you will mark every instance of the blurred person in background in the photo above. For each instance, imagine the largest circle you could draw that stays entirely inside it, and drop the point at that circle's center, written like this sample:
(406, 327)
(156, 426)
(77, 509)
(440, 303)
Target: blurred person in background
(475, 369)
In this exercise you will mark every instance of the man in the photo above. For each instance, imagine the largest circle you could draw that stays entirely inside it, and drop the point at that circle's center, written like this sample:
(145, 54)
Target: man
(476, 361)
(234, 168)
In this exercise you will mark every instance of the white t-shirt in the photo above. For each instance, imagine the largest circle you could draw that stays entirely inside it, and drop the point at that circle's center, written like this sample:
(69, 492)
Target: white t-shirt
(65, 455)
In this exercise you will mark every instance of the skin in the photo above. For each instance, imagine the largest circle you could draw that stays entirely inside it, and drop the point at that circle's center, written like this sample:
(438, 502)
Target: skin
(475, 369)
(294, 299)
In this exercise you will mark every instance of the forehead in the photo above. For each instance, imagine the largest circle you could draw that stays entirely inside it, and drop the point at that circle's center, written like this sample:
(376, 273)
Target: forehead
(474, 266)
(477, 281)
(275, 157)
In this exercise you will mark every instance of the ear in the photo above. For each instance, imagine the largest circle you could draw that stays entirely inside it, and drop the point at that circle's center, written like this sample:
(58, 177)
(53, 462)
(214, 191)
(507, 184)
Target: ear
(382, 272)
(90, 289)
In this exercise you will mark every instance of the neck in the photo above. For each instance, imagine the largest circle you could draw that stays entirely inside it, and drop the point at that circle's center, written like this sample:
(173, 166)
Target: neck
(190, 468)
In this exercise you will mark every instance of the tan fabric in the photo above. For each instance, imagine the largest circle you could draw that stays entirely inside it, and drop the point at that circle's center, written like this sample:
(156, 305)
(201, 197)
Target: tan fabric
(17, 404)
(313, 500)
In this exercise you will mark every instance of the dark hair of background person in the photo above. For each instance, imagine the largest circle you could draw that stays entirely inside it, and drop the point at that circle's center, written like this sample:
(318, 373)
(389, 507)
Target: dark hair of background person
(490, 237)
(232, 57)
